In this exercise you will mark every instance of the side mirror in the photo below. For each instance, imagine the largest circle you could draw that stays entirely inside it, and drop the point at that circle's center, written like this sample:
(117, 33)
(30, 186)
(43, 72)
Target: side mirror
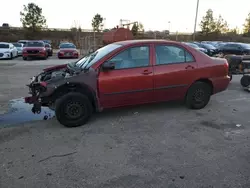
(108, 66)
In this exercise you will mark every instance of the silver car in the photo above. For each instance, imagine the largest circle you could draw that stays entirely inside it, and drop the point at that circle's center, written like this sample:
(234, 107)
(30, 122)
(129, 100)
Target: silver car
(19, 47)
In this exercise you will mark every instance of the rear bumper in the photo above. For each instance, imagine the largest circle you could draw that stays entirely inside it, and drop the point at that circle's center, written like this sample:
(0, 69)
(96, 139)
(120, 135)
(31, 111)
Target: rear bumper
(220, 84)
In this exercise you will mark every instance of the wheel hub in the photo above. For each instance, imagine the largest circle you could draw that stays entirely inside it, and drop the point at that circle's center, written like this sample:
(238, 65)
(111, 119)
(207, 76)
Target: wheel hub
(199, 96)
(74, 110)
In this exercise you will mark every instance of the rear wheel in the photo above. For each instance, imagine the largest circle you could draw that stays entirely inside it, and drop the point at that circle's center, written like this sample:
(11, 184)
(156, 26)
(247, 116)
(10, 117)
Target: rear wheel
(73, 109)
(245, 81)
(24, 58)
(198, 95)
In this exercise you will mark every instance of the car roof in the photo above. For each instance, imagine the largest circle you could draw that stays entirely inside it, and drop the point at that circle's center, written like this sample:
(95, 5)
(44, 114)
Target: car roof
(144, 41)
(4, 43)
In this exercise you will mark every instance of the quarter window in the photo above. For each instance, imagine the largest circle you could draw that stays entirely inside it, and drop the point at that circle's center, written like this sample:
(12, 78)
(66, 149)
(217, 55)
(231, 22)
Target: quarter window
(172, 54)
(133, 57)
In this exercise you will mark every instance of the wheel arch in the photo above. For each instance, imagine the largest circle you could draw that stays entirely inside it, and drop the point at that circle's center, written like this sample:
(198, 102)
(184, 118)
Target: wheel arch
(76, 87)
(204, 80)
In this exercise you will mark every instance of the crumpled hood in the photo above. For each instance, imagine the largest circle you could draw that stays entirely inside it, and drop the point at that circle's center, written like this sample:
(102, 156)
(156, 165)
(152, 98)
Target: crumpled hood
(57, 67)
(2, 50)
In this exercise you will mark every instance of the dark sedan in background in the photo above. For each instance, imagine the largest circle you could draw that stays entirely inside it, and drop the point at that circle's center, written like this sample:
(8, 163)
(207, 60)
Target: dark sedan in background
(193, 45)
(67, 50)
(211, 50)
(234, 48)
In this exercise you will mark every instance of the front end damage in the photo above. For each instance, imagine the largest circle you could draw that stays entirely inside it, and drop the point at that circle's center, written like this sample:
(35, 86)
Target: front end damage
(42, 86)
(50, 84)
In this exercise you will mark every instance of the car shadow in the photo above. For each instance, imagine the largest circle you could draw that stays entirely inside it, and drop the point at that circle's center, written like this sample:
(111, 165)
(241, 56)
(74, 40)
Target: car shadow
(142, 109)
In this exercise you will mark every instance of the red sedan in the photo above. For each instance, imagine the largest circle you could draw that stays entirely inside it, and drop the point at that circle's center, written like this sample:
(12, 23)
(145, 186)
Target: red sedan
(67, 50)
(129, 73)
(34, 49)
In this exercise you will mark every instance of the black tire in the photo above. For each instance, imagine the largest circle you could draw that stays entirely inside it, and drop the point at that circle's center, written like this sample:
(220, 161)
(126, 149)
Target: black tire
(80, 103)
(25, 58)
(198, 95)
(11, 56)
(231, 77)
(245, 81)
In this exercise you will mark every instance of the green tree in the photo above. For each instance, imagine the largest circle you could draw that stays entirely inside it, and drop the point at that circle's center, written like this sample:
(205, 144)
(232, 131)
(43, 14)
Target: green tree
(220, 25)
(246, 29)
(234, 31)
(97, 22)
(32, 18)
(136, 28)
(208, 24)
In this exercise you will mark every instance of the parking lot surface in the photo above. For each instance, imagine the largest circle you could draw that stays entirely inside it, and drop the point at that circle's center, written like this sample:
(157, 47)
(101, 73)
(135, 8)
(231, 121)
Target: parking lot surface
(159, 145)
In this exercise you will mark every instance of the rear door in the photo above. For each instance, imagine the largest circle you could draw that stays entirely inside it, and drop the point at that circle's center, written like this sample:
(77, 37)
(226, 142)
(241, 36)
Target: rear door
(131, 82)
(174, 70)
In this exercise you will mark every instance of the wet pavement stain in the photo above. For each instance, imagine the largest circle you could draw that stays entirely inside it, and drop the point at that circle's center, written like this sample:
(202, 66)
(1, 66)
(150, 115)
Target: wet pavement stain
(20, 112)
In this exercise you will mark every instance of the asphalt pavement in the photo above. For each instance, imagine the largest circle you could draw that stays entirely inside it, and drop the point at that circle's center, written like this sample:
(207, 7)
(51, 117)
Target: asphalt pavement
(160, 145)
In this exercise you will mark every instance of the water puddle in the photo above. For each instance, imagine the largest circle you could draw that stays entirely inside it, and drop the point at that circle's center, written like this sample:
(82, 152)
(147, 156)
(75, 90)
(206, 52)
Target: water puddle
(20, 112)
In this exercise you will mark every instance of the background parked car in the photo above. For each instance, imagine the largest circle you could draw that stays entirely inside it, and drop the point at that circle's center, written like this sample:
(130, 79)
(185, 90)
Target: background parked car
(67, 50)
(23, 41)
(34, 49)
(19, 47)
(234, 48)
(211, 50)
(7, 50)
(193, 45)
(49, 49)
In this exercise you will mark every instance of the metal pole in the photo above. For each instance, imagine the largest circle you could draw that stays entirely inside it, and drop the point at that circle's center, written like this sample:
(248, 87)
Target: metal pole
(195, 22)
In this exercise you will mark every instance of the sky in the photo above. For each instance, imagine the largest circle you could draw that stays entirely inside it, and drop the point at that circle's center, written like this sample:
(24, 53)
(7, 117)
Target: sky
(154, 15)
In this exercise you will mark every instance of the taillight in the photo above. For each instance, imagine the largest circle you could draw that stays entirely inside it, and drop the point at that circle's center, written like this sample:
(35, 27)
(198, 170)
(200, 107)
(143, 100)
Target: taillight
(226, 67)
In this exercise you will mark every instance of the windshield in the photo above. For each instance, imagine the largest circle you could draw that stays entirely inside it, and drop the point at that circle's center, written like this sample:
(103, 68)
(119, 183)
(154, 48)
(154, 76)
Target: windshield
(245, 45)
(4, 46)
(92, 58)
(34, 44)
(21, 41)
(17, 44)
(67, 45)
(209, 46)
(192, 45)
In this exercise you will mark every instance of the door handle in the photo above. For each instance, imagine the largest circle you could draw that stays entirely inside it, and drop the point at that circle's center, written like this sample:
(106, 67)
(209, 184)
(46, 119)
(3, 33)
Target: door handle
(189, 67)
(146, 72)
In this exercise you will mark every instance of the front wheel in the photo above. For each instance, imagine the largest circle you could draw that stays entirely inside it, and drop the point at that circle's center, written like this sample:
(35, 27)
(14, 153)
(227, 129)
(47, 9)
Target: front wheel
(198, 95)
(73, 109)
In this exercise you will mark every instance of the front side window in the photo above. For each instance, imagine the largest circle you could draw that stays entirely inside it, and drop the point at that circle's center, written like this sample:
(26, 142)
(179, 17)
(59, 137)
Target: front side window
(171, 54)
(133, 57)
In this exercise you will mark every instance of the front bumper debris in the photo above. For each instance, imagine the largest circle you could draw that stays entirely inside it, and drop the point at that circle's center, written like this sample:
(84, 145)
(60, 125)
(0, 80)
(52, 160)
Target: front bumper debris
(35, 88)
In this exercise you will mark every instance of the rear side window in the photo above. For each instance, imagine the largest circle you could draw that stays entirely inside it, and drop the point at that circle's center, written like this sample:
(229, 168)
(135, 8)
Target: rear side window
(168, 54)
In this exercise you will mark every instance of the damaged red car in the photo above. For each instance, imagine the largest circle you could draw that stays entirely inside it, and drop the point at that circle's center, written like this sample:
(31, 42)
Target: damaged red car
(128, 73)
(67, 50)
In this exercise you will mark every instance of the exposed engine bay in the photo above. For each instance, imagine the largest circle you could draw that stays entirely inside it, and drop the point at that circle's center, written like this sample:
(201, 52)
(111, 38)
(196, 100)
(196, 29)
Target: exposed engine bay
(39, 83)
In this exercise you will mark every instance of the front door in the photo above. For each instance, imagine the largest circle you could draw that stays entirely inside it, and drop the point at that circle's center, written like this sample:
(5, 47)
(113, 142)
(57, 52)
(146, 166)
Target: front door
(131, 81)
(173, 70)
